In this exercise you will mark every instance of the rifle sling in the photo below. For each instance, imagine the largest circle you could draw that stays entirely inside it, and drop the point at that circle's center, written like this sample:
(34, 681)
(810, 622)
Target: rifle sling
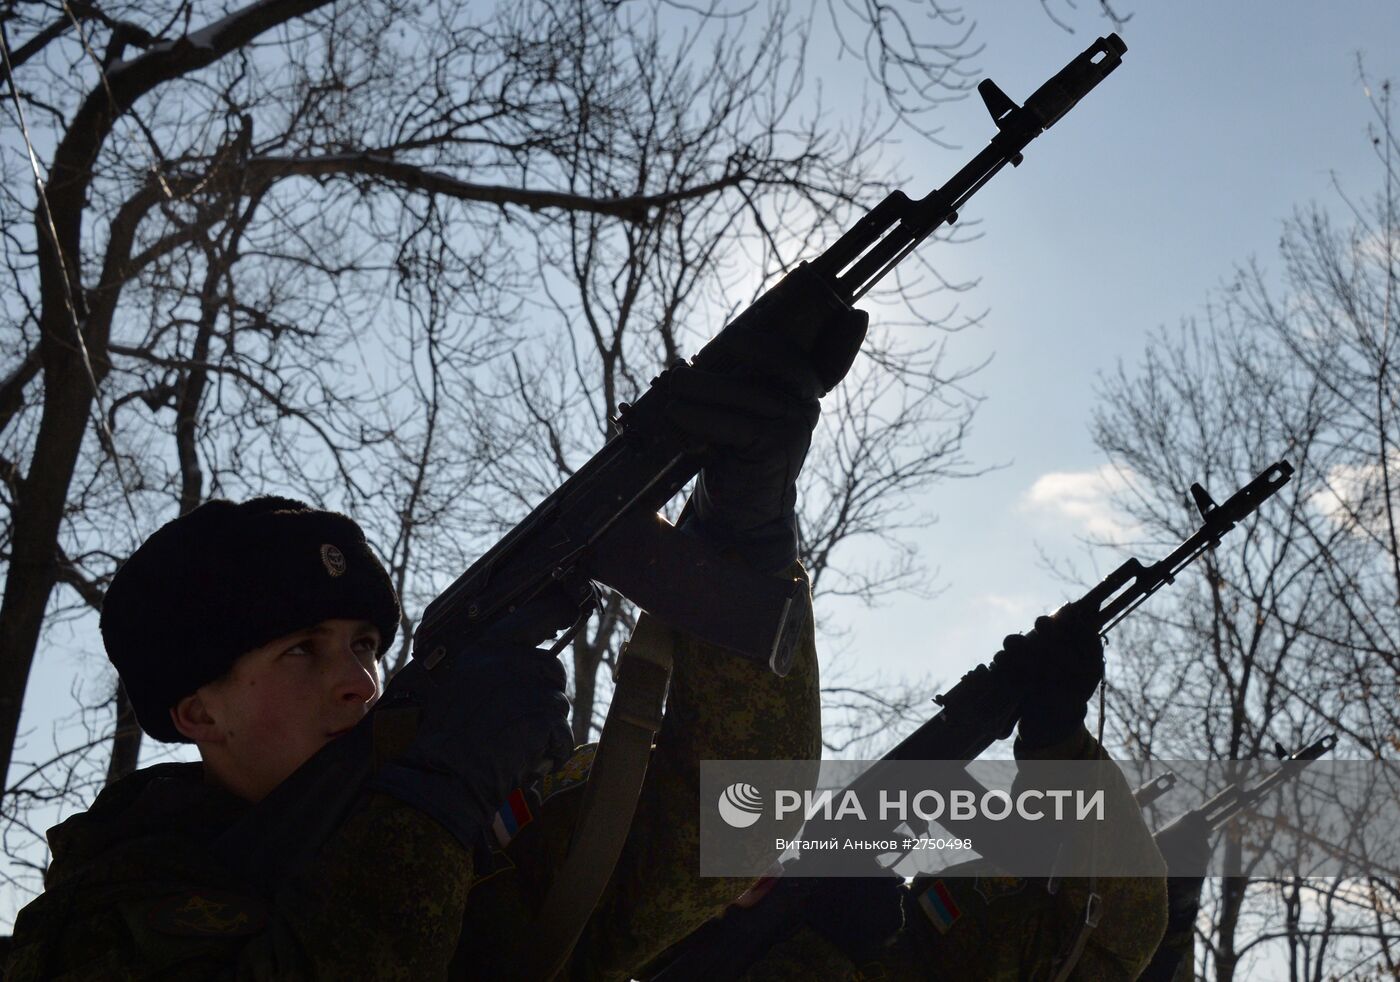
(609, 802)
(1093, 906)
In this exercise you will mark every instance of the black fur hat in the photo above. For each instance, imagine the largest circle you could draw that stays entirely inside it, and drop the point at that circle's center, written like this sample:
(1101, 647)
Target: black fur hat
(228, 578)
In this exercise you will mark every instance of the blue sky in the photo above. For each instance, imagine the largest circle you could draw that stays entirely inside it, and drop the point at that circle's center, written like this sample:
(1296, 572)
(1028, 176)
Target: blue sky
(1123, 218)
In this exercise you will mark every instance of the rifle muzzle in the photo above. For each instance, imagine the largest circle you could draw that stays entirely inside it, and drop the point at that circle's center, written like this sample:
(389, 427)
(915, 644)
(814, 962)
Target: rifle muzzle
(1076, 80)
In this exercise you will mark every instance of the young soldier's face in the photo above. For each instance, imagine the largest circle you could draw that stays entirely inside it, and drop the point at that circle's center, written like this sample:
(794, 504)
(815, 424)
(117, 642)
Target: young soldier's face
(281, 703)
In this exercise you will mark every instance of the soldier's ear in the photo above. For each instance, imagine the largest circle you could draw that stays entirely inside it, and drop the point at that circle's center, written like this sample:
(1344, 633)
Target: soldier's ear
(191, 717)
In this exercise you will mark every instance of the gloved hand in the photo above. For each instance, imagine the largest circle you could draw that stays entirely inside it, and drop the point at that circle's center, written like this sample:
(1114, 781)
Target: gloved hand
(759, 425)
(746, 495)
(488, 719)
(1062, 659)
(1185, 845)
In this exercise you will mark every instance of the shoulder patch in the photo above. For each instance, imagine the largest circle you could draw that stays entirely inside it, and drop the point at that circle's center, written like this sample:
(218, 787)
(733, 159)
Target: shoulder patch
(207, 913)
(572, 773)
(513, 816)
(522, 806)
(937, 902)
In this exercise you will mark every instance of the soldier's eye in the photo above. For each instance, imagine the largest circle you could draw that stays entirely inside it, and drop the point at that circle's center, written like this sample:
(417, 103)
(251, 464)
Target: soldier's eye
(298, 649)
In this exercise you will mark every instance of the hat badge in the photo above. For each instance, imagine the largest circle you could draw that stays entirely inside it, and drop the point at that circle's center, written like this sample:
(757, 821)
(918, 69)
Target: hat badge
(333, 559)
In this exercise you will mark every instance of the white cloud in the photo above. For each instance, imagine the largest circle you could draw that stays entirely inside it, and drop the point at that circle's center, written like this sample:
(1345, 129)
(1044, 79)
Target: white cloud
(1354, 496)
(1081, 500)
(1017, 606)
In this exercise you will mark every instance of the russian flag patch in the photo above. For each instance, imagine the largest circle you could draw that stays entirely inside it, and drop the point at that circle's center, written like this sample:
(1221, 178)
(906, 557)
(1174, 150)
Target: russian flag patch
(937, 902)
(513, 816)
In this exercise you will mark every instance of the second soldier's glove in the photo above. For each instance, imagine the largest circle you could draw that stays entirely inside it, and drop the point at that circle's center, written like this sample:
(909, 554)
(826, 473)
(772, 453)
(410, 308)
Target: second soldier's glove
(1185, 845)
(1063, 661)
(485, 723)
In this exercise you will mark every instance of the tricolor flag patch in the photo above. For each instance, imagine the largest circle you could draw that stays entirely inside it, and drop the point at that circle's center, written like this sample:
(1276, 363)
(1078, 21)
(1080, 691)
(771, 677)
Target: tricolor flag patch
(513, 816)
(937, 902)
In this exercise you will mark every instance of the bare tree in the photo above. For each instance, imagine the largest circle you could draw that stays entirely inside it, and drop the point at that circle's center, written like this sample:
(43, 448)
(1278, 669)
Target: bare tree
(407, 261)
(1291, 628)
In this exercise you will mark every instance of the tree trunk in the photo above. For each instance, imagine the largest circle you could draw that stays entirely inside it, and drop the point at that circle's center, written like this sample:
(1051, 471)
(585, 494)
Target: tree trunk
(589, 654)
(1231, 899)
(38, 515)
(68, 388)
(587, 658)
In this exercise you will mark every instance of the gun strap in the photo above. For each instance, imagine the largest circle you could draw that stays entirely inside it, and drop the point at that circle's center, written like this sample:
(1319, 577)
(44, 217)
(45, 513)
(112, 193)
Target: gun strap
(1093, 906)
(1092, 909)
(609, 801)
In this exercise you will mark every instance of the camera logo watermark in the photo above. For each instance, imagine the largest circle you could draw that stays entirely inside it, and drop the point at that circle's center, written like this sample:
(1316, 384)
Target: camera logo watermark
(1032, 818)
(741, 805)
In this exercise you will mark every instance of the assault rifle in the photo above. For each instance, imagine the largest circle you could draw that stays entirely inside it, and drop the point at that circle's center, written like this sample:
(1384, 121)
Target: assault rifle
(1220, 808)
(616, 494)
(1217, 811)
(982, 708)
(1185, 844)
(602, 524)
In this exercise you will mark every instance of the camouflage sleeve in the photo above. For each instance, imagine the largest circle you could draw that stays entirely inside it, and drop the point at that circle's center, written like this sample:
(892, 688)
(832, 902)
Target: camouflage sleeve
(1174, 959)
(382, 900)
(720, 707)
(1133, 909)
(984, 924)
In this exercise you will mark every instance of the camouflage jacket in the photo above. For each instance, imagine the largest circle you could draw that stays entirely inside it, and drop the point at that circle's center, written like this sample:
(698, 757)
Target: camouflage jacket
(720, 707)
(133, 893)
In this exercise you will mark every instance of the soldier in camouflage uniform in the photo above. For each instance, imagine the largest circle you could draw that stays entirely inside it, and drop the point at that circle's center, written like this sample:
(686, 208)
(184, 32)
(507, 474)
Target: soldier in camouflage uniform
(254, 631)
(982, 924)
(720, 708)
(131, 896)
(1186, 847)
(975, 922)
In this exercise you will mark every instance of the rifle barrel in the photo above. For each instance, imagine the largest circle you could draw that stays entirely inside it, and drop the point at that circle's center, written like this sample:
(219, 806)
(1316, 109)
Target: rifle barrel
(881, 240)
(1132, 583)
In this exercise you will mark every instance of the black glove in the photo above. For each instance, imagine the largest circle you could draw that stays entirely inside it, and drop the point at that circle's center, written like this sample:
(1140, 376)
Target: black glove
(488, 719)
(758, 422)
(746, 495)
(1062, 659)
(1185, 845)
